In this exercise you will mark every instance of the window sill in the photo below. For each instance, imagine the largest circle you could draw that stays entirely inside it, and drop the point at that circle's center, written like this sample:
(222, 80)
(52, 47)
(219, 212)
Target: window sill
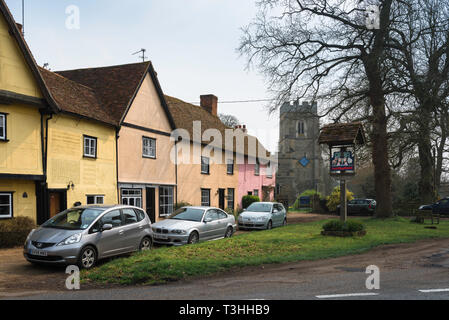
(4, 140)
(89, 157)
(148, 157)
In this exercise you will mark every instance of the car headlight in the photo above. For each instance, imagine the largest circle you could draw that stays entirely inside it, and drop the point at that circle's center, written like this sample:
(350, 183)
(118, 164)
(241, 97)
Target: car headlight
(71, 240)
(262, 218)
(179, 231)
(29, 236)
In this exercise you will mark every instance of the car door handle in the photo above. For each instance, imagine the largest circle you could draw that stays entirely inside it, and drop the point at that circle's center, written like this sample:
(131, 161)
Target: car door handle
(121, 232)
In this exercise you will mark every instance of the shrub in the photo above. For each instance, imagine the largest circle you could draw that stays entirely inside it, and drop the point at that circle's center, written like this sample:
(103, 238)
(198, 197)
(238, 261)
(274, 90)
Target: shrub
(248, 200)
(182, 204)
(340, 226)
(14, 232)
(333, 201)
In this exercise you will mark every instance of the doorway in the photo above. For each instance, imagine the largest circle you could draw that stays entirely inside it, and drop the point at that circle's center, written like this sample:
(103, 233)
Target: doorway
(221, 198)
(57, 200)
(151, 204)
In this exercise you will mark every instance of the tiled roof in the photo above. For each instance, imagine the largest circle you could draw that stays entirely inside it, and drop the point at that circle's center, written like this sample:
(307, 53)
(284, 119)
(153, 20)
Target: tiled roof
(184, 114)
(342, 133)
(115, 86)
(74, 98)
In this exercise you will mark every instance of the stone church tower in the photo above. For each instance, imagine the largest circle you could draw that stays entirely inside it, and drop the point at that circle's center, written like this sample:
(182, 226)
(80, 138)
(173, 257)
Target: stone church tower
(300, 159)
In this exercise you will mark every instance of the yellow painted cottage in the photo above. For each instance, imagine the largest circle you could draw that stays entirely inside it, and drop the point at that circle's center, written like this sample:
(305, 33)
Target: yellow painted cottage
(57, 145)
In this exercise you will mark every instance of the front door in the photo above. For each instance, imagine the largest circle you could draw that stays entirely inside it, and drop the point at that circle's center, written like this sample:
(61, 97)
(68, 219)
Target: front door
(221, 199)
(58, 202)
(151, 204)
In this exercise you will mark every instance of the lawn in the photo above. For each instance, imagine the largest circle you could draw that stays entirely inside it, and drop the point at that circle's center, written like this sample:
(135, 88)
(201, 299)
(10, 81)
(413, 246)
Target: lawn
(288, 244)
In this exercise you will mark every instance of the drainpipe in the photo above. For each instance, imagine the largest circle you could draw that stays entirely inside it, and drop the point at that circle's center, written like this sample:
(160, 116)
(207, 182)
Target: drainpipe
(117, 136)
(176, 170)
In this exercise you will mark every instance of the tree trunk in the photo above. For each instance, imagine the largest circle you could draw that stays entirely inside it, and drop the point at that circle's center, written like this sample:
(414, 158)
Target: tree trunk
(382, 170)
(426, 180)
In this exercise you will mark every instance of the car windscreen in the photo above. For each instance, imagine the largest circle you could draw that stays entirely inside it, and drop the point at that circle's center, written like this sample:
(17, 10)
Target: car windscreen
(73, 219)
(259, 207)
(188, 214)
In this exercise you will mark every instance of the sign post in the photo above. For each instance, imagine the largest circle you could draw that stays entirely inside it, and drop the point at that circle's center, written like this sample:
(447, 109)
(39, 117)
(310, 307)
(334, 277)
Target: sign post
(342, 139)
(343, 201)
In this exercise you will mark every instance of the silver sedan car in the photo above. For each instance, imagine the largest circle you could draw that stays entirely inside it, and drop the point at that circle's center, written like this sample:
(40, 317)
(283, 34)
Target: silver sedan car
(83, 235)
(190, 225)
(263, 216)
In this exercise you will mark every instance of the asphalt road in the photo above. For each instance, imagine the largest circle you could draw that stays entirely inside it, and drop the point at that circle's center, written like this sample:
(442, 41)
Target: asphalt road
(404, 270)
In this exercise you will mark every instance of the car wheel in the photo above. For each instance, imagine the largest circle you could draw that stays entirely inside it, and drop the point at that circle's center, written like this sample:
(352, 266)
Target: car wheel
(194, 238)
(87, 258)
(270, 225)
(229, 232)
(146, 244)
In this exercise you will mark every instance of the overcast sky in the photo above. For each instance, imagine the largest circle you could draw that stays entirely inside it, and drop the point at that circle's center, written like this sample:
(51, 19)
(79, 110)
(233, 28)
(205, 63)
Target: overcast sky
(192, 44)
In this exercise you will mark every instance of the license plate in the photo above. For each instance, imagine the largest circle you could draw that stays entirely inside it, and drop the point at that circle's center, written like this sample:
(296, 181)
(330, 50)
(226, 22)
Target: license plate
(161, 237)
(39, 253)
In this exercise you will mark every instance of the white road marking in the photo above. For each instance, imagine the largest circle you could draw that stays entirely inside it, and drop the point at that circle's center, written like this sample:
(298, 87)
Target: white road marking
(348, 295)
(434, 290)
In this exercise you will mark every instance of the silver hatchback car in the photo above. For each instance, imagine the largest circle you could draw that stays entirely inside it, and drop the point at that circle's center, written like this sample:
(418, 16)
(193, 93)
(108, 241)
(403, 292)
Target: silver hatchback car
(263, 216)
(83, 235)
(190, 225)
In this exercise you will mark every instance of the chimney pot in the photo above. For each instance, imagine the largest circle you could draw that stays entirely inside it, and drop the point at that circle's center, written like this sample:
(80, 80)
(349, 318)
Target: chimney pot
(209, 103)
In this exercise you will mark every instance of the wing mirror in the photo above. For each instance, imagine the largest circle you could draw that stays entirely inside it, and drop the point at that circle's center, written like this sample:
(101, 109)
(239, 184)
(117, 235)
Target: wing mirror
(207, 220)
(106, 227)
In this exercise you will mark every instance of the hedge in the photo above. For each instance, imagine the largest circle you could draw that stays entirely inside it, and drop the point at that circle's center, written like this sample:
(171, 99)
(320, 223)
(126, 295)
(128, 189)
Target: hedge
(14, 232)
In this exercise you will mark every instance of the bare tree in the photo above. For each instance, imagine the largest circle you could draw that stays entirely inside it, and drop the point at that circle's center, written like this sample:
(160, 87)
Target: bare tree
(325, 49)
(419, 53)
(229, 120)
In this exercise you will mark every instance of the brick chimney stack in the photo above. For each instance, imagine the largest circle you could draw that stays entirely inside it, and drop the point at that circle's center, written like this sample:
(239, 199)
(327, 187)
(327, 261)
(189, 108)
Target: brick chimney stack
(210, 104)
(20, 27)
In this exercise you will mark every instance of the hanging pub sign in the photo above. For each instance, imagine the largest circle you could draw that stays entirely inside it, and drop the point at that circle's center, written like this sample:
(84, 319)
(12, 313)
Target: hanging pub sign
(342, 160)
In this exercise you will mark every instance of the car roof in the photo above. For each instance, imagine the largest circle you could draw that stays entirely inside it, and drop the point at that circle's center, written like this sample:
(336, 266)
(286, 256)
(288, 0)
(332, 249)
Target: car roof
(104, 207)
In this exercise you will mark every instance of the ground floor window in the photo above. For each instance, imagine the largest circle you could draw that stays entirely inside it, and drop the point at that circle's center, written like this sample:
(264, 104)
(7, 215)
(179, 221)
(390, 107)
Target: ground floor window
(5, 205)
(132, 197)
(231, 196)
(166, 201)
(256, 193)
(205, 197)
(95, 199)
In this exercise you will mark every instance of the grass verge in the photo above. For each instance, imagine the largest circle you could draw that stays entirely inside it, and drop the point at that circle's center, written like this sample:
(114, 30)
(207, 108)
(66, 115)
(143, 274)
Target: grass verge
(288, 244)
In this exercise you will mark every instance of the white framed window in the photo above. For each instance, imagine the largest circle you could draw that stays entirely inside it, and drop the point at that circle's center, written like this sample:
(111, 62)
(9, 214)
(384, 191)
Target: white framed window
(95, 199)
(230, 167)
(166, 201)
(205, 197)
(257, 169)
(149, 147)
(269, 171)
(205, 165)
(231, 198)
(90, 147)
(2, 126)
(132, 197)
(6, 210)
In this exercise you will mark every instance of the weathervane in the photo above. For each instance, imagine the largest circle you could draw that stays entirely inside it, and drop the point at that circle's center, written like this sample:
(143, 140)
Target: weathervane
(143, 54)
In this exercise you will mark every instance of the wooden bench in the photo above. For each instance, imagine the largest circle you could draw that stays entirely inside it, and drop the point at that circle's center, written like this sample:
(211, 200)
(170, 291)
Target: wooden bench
(427, 214)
